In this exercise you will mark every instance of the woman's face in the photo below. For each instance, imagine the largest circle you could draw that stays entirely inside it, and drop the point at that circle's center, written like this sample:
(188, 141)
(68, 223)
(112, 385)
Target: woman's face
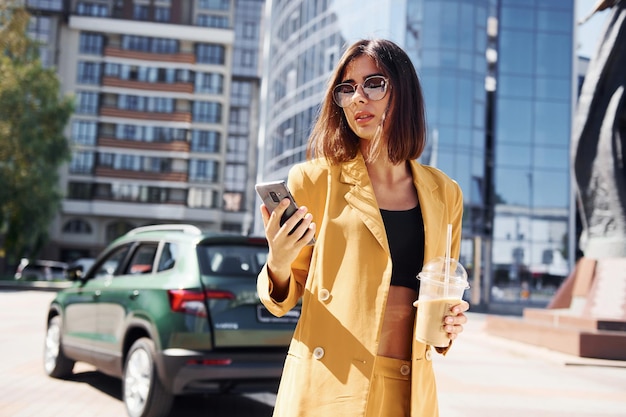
(364, 116)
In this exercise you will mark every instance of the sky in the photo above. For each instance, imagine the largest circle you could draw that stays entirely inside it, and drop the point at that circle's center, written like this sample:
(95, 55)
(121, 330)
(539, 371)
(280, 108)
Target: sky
(590, 31)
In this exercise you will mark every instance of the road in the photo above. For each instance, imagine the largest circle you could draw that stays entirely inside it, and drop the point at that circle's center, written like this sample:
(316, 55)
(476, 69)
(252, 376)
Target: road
(26, 391)
(481, 376)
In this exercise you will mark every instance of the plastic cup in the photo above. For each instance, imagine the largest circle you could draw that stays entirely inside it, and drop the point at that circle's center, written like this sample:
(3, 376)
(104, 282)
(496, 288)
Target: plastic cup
(437, 295)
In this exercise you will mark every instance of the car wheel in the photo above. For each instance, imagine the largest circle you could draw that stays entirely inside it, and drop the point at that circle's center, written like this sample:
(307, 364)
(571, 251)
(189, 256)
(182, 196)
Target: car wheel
(143, 392)
(55, 363)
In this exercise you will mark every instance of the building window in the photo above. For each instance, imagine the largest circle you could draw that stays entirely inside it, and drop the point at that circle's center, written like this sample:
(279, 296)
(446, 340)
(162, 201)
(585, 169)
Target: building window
(205, 141)
(235, 177)
(203, 170)
(237, 149)
(146, 44)
(140, 12)
(233, 202)
(201, 198)
(88, 72)
(214, 4)
(162, 14)
(211, 83)
(87, 102)
(39, 28)
(91, 43)
(84, 8)
(84, 133)
(79, 190)
(56, 5)
(82, 163)
(77, 226)
(146, 104)
(212, 21)
(208, 53)
(207, 112)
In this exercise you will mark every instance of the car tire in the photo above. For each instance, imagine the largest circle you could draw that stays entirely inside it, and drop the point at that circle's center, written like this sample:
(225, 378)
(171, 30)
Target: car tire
(143, 393)
(56, 364)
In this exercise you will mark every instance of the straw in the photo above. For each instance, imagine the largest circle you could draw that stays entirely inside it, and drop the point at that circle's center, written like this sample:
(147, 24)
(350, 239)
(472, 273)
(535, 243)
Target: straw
(447, 268)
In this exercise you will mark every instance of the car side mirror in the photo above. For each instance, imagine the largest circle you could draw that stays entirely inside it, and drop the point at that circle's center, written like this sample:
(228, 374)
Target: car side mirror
(75, 273)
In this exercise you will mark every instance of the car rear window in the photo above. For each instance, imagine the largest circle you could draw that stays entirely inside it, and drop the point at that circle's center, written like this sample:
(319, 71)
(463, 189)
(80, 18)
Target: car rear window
(231, 260)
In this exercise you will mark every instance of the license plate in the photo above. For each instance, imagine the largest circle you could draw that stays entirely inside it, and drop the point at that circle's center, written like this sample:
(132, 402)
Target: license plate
(264, 316)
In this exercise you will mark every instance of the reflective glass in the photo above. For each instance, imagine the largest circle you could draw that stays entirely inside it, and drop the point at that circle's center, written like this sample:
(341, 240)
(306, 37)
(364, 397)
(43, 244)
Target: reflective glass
(509, 155)
(374, 88)
(512, 186)
(554, 55)
(516, 57)
(518, 18)
(514, 120)
(550, 189)
(552, 123)
(515, 86)
(551, 157)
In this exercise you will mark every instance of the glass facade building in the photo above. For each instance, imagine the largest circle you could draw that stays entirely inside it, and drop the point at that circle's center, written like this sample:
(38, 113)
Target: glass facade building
(497, 80)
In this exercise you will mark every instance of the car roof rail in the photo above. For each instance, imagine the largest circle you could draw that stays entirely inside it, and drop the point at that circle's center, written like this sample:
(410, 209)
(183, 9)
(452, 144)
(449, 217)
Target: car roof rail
(184, 228)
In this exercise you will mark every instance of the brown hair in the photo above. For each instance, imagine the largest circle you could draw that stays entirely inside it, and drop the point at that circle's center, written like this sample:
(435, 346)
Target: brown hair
(404, 121)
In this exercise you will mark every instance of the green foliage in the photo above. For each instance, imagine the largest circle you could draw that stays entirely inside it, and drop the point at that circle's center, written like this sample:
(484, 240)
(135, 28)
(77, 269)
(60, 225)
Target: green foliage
(32, 145)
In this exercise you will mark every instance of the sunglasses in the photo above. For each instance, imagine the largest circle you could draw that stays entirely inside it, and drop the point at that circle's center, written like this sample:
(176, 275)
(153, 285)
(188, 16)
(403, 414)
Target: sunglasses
(374, 88)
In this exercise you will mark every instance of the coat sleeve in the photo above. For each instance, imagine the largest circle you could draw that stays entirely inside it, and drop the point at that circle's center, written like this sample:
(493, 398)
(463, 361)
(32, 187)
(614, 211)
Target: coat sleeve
(297, 181)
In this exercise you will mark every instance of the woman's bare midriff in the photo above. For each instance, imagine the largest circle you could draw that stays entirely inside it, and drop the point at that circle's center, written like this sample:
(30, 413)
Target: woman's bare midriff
(397, 333)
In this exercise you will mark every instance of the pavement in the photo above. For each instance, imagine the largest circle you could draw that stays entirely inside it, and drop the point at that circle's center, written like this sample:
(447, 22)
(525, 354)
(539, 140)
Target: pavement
(481, 376)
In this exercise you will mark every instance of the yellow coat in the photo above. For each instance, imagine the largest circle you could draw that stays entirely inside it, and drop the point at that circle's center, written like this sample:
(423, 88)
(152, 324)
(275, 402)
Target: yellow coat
(344, 281)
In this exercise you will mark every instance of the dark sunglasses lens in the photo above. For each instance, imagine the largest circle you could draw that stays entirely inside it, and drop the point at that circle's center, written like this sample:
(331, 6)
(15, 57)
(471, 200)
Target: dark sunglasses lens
(375, 88)
(342, 94)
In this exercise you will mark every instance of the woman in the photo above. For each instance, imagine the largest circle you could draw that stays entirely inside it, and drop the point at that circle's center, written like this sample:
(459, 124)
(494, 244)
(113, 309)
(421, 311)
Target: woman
(380, 215)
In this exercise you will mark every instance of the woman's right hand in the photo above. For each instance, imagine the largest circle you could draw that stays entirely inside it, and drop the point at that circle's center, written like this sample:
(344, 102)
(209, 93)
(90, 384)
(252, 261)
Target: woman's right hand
(283, 246)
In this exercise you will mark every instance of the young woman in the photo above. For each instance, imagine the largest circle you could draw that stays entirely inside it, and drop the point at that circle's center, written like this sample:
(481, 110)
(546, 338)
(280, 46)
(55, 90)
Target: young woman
(378, 216)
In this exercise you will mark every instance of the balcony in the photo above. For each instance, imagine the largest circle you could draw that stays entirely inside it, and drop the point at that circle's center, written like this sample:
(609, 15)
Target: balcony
(143, 85)
(173, 146)
(141, 175)
(142, 115)
(181, 57)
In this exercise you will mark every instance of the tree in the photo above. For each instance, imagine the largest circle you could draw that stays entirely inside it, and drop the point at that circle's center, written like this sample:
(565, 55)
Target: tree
(33, 116)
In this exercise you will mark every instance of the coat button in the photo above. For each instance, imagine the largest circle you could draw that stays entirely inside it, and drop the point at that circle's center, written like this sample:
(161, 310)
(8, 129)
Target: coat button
(318, 353)
(324, 294)
(428, 355)
(405, 370)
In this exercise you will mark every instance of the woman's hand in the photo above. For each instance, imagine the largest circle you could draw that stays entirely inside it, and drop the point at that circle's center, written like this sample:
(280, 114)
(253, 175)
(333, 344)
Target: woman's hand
(286, 241)
(453, 324)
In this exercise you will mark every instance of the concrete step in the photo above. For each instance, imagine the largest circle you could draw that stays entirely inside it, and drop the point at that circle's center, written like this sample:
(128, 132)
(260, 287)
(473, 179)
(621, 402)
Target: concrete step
(555, 330)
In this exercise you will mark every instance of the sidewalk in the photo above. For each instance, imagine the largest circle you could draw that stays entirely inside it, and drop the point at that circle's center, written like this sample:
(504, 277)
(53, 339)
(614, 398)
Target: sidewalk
(488, 376)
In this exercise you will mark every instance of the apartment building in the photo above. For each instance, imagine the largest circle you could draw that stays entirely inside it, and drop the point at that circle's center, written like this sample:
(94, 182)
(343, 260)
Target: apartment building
(165, 123)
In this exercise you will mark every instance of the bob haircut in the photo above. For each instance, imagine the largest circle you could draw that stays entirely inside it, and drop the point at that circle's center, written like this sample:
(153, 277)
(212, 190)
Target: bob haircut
(403, 134)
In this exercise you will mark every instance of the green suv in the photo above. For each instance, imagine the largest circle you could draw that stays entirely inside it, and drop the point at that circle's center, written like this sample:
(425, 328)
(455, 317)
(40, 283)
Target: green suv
(169, 310)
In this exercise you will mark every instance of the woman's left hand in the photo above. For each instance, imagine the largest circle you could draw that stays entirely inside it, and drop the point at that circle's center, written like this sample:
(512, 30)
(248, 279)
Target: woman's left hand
(453, 323)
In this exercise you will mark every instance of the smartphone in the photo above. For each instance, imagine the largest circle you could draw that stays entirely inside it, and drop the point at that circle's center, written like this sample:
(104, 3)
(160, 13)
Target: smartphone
(272, 193)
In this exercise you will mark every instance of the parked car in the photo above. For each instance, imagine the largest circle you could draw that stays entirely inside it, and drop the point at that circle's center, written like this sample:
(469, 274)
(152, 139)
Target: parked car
(80, 266)
(40, 270)
(171, 311)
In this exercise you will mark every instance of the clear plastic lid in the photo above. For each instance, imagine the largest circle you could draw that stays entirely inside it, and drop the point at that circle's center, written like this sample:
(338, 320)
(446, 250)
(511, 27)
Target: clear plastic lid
(435, 270)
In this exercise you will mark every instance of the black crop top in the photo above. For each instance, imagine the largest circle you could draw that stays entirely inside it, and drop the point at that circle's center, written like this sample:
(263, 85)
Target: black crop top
(405, 234)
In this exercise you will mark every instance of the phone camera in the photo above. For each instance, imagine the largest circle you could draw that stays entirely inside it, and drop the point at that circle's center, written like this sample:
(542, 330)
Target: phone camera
(275, 197)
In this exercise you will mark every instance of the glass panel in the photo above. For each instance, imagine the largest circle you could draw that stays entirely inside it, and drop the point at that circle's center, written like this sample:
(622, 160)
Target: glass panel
(514, 121)
(515, 86)
(550, 189)
(554, 54)
(509, 155)
(552, 123)
(516, 52)
(518, 18)
(512, 186)
(551, 158)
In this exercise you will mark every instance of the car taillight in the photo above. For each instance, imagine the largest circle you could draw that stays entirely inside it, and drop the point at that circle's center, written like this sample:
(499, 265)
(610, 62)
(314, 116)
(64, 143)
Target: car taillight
(210, 362)
(193, 302)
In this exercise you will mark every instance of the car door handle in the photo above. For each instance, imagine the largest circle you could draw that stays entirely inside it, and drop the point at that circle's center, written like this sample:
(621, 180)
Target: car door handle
(134, 294)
